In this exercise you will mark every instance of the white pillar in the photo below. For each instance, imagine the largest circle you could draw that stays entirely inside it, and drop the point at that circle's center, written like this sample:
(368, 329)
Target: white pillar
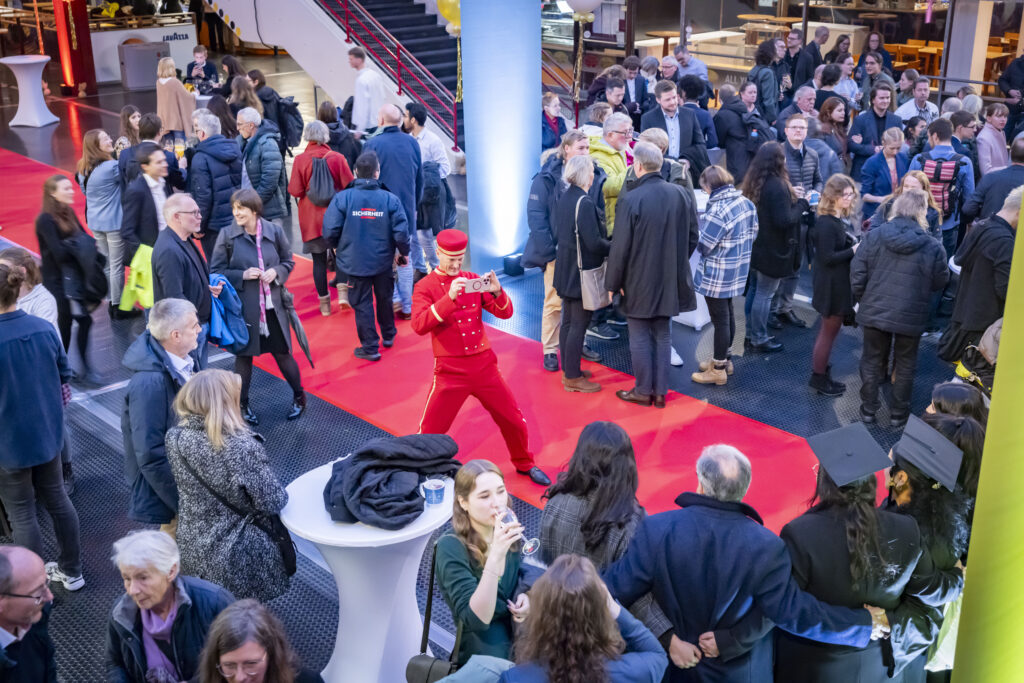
(968, 48)
(502, 89)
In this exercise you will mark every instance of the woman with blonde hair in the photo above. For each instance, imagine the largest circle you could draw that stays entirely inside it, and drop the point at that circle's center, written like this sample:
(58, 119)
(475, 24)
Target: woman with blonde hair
(174, 104)
(834, 248)
(578, 633)
(881, 174)
(243, 95)
(479, 563)
(100, 179)
(913, 180)
(226, 490)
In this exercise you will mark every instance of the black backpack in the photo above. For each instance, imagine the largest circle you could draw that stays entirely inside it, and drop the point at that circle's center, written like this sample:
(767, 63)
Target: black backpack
(290, 121)
(321, 183)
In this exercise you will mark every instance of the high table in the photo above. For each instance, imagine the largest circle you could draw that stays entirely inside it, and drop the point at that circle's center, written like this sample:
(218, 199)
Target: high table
(379, 624)
(28, 71)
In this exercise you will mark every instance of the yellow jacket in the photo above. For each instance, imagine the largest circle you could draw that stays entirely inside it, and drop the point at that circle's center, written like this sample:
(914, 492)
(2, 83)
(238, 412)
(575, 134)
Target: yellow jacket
(614, 164)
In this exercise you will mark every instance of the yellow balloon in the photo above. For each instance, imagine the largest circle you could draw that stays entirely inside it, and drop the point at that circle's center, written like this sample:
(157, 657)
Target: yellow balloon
(449, 9)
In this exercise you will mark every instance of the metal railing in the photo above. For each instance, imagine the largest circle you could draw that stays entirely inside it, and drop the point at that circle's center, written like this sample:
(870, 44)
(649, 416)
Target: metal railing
(413, 79)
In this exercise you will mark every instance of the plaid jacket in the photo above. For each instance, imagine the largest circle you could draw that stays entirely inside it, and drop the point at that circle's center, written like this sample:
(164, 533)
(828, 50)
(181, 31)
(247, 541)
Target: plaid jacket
(727, 231)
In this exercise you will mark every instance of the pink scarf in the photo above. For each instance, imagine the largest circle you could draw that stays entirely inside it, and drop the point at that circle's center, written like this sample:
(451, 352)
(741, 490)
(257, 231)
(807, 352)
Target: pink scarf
(264, 287)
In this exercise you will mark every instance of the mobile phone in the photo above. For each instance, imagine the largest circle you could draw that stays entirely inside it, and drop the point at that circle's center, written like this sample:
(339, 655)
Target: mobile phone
(477, 285)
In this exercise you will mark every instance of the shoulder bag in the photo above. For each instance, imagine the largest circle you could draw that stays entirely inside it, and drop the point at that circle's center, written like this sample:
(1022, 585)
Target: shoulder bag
(271, 525)
(424, 668)
(595, 296)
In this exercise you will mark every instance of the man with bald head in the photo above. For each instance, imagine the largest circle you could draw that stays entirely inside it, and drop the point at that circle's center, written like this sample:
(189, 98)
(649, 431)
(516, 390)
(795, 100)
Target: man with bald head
(26, 650)
(401, 174)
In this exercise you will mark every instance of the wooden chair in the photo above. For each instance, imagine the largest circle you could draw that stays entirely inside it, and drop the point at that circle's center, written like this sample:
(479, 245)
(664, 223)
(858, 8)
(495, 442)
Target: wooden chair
(909, 54)
(935, 43)
(918, 43)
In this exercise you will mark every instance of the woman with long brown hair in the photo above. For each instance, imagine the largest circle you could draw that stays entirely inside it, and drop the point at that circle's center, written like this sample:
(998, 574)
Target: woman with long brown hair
(479, 563)
(247, 642)
(128, 135)
(577, 633)
(832, 120)
(60, 235)
(231, 67)
(218, 106)
(100, 179)
(243, 95)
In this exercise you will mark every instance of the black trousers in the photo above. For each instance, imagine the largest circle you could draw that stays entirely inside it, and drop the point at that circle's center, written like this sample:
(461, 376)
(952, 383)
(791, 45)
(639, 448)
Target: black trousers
(571, 334)
(320, 272)
(215, 31)
(874, 366)
(724, 321)
(361, 294)
(64, 320)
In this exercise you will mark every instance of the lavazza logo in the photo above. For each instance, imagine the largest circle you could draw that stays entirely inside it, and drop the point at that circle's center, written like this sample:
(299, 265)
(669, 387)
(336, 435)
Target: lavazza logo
(176, 36)
(367, 213)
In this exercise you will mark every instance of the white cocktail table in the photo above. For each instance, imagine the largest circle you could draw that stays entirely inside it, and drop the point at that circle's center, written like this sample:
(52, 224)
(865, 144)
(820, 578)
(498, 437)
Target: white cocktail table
(379, 623)
(32, 109)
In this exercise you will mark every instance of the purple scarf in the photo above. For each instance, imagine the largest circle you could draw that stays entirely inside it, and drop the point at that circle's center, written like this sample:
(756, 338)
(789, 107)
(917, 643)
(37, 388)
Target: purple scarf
(264, 287)
(153, 628)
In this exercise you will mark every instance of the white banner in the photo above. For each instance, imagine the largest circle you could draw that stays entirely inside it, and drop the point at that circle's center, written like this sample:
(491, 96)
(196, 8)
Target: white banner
(180, 38)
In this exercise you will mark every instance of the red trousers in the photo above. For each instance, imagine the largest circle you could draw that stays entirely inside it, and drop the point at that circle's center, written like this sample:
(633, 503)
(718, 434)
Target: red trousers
(456, 378)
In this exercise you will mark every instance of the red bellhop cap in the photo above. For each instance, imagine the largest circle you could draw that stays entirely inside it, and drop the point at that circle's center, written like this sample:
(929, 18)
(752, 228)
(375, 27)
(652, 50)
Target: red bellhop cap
(452, 242)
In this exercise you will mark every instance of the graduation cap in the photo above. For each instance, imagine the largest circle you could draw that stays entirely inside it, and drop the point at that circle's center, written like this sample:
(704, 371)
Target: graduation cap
(930, 452)
(849, 453)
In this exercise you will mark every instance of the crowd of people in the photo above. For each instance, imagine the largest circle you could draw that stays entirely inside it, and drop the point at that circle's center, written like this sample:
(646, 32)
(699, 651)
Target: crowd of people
(907, 224)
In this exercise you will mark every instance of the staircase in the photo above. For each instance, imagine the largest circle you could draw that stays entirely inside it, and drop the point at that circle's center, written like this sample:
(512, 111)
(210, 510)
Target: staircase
(406, 41)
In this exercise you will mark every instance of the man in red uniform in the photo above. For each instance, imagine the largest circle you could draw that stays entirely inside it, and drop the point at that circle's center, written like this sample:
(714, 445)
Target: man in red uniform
(464, 364)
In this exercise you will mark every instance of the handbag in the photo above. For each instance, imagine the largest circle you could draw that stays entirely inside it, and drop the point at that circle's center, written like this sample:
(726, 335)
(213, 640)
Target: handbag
(424, 668)
(595, 296)
(271, 525)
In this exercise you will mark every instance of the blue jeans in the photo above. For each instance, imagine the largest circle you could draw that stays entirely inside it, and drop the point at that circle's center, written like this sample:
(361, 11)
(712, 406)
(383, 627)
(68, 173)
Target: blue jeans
(427, 244)
(758, 305)
(416, 254)
(650, 344)
(403, 285)
(479, 669)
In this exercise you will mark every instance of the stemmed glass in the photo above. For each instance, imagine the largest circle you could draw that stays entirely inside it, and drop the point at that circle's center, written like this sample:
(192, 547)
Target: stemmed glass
(530, 545)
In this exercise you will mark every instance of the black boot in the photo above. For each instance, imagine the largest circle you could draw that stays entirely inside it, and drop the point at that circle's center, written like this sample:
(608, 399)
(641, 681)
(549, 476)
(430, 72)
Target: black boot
(249, 416)
(824, 386)
(828, 373)
(298, 407)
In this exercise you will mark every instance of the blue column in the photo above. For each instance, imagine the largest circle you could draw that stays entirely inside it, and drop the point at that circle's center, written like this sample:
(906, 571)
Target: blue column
(501, 70)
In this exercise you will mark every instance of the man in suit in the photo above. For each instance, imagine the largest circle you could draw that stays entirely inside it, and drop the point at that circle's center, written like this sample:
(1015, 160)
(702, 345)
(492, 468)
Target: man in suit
(26, 649)
(637, 99)
(988, 197)
(179, 269)
(866, 131)
(810, 57)
(143, 219)
(149, 131)
(401, 173)
(685, 141)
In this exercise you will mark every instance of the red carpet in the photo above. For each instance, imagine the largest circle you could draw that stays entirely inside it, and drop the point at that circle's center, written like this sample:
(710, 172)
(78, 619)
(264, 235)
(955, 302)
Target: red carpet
(391, 393)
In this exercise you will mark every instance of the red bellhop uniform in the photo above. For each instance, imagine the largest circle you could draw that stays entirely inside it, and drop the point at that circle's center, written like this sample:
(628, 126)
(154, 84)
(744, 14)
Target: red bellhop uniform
(464, 364)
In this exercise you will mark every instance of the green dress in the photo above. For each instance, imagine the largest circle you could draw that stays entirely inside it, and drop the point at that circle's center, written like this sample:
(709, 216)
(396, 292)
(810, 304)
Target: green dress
(458, 577)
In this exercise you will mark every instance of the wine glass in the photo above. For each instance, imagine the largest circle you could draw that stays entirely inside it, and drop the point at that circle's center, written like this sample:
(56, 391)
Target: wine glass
(530, 545)
(179, 147)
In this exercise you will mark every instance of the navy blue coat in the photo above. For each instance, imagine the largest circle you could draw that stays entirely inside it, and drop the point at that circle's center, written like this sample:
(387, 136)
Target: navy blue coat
(864, 125)
(875, 178)
(401, 168)
(130, 170)
(545, 190)
(366, 223)
(216, 172)
(548, 137)
(991, 192)
(712, 564)
(33, 365)
(147, 415)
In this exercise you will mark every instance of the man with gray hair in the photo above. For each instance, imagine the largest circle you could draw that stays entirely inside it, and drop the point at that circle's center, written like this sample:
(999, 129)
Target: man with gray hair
(26, 649)
(655, 235)
(161, 359)
(263, 167)
(719, 575)
(215, 172)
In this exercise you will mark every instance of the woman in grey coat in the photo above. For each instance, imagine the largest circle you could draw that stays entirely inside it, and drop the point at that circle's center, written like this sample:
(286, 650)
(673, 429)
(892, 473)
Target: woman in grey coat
(211, 448)
(255, 257)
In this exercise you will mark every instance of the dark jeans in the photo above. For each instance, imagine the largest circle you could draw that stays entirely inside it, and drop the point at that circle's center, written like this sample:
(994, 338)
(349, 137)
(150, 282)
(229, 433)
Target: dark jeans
(724, 320)
(19, 489)
(830, 327)
(361, 293)
(575, 320)
(650, 344)
(760, 290)
(874, 366)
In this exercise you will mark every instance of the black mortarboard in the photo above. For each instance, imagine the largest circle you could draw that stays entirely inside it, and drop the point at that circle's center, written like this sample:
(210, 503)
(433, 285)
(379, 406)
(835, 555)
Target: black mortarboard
(849, 453)
(930, 452)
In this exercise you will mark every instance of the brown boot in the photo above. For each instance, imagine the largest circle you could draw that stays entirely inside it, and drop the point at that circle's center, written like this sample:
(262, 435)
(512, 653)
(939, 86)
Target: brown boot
(716, 374)
(343, 303)
(325, 305)
(705, 364)
(580, 384)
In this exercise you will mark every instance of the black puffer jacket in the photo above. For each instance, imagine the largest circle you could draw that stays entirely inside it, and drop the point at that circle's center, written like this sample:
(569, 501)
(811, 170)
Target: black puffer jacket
(216, 172)
(893, 274)
(344, 143)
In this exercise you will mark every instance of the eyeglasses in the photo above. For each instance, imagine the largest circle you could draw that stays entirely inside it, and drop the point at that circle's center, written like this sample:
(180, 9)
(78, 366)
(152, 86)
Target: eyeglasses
(849, 195)
(197, 213)
(38, 599)
(245, 668)
(624, 133)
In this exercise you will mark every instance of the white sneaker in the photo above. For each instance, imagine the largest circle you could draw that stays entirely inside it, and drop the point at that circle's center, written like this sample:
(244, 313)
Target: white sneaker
(676, 360)
(71, 583)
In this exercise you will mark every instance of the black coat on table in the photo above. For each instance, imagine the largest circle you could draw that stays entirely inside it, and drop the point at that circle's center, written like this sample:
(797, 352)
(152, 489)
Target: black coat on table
(655, 235)
(181, 272)
(776, 252)
(991, 192)
(984, 259)
(139, 221)
(235, 252)
(893, 274)
(33, 658)
(833, 251)
(593, 240)
(692, 145)
(817, 544)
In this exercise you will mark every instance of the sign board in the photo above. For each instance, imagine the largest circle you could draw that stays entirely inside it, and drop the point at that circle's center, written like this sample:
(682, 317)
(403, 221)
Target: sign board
(180, 38)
